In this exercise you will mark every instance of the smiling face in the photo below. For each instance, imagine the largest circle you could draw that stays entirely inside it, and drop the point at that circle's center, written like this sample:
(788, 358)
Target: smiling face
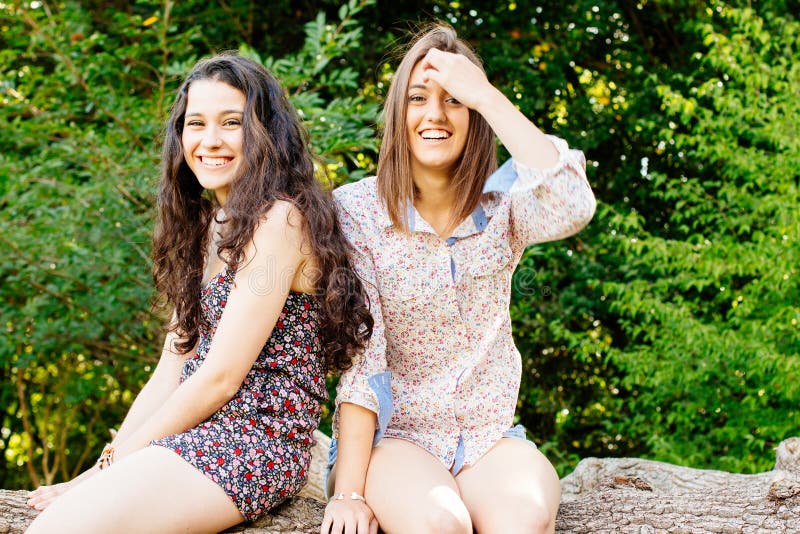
(212, 134)
(436, 126)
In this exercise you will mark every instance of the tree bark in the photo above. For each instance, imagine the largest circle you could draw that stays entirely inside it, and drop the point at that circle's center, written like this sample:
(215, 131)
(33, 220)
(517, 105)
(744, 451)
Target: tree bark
(600, 496)
(629, 495)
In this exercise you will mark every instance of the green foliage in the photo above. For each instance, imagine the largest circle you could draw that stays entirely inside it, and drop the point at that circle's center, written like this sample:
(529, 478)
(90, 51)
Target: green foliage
(75, 222)
(84, 104)
(708, 302)
(668, 328)
(340, 114)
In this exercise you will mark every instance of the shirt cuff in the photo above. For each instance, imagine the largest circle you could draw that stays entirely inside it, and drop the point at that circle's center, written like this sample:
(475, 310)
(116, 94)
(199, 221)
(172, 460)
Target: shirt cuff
(513, 176)
(378, 399)
(381, 384)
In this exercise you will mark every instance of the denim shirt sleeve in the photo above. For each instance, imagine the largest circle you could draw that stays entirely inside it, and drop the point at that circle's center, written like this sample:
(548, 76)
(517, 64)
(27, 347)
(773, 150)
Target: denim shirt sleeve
(546, 204)
(368, 382)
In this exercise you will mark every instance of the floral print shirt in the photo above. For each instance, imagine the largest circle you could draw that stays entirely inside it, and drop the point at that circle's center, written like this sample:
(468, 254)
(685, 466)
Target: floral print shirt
(441, 369)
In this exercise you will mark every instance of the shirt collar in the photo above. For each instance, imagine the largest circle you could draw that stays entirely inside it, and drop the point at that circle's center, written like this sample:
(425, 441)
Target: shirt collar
(500, 181)
(474, 224)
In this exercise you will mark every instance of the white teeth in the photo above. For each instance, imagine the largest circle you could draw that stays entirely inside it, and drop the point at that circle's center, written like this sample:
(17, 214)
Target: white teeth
(214, 161)
(435, 134)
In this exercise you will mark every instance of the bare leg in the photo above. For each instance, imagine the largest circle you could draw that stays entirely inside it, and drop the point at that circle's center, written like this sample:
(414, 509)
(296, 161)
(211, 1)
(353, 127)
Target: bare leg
(152, 490)
(411, 491)
(512, 488)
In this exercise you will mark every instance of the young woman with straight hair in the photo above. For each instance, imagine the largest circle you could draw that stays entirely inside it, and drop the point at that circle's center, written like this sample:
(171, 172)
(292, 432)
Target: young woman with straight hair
(425, 440)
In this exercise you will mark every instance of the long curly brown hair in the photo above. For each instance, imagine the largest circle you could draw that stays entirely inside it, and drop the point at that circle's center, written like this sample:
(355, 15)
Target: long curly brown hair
(277, 164)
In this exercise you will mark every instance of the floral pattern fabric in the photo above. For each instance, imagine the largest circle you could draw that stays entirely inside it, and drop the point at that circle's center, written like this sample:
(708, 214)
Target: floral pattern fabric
(258, 446)
(441, 369)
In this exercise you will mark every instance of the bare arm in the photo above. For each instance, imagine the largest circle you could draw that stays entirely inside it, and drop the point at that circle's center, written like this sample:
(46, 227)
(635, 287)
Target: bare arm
(156, 391)
(159, 387)
(358, 405)
(356, 432)
(165, 406)
(256, 299)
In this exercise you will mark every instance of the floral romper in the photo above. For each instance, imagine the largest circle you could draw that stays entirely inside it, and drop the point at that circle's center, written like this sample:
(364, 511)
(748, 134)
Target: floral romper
(258, 446)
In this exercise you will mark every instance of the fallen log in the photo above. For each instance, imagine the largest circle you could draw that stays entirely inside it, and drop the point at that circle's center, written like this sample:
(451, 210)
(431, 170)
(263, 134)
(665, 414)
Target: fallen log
(629, 495)
(599, 496)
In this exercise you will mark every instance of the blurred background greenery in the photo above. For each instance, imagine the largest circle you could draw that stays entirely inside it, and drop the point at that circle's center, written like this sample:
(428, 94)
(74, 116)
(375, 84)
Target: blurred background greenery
(668, 329)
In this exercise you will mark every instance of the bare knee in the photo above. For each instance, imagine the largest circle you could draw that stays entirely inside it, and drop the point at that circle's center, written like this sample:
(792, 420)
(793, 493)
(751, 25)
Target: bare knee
(449, 521)
(521, 517)
(436, 520)
(536, 519)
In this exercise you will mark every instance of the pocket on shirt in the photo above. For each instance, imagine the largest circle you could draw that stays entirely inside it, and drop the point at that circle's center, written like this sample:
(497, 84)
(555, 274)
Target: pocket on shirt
(487, 261)
(487, 281)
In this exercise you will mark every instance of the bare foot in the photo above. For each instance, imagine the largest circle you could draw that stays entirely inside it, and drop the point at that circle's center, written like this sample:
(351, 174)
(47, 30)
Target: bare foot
(43, 496)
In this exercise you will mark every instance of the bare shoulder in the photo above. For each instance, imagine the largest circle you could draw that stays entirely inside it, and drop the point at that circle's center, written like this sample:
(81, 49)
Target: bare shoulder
(280, 230)
(281, 235)
(283, 217)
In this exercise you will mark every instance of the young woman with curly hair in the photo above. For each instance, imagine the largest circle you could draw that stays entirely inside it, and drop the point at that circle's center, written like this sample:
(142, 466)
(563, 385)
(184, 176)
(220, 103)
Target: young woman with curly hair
(249, 255)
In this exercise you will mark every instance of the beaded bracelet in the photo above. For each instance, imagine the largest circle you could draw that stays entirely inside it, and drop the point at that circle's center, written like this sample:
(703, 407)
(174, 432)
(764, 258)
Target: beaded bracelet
(353, 496)
(106, 457)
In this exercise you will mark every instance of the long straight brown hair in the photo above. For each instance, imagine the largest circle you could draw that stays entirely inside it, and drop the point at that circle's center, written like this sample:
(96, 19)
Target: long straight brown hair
(276, 164)
(477, 161)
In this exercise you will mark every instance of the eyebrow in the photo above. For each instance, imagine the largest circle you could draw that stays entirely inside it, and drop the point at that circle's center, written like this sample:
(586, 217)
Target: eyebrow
(226, 112)
(418, 86)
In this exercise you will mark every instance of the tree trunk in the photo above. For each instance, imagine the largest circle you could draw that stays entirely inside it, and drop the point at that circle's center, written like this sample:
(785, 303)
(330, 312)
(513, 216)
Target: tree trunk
(600, 496)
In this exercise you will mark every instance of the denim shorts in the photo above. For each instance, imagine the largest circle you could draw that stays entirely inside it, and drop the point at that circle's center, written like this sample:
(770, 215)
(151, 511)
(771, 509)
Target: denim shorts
(516, 431)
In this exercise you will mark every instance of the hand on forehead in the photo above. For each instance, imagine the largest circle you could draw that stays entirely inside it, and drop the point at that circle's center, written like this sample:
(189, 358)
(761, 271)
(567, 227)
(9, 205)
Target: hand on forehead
(436, 59)
(454, 73)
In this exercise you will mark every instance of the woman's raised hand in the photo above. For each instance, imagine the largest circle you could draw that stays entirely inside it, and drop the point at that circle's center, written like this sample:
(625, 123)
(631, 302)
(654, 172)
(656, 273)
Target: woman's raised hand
(457, 75)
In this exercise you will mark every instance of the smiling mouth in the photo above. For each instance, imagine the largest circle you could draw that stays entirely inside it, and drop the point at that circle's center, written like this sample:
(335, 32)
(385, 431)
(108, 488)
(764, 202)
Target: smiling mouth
(435, 135)
(214, 162)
